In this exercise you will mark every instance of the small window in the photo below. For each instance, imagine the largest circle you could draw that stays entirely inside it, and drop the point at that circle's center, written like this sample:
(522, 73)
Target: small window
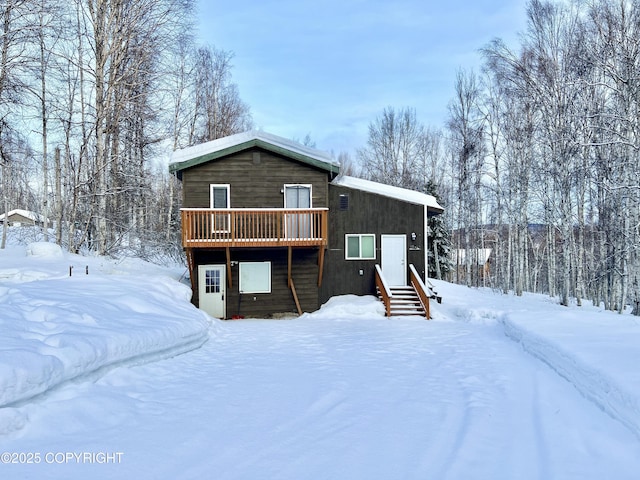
(360, 247)
(219, 198)
(344, 201)
(219, 195)
(212, 281)
(255, 277)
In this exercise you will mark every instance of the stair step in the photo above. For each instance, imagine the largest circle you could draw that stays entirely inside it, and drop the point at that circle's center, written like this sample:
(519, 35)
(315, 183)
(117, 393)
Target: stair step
(404, 301)
(397, 313)
(406, 307)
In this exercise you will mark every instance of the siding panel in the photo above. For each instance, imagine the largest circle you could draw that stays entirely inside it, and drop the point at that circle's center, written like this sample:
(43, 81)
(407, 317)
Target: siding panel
(367, 213)
(252, 185)
(280, 300)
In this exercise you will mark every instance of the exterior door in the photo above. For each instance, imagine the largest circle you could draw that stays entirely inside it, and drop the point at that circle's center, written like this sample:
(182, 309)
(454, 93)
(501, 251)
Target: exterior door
(298, 225)
(211, 289)
(394, 259)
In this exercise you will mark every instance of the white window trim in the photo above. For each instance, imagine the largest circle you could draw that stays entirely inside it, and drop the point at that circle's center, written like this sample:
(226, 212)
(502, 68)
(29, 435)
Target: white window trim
(219, 185)
(228, 188)
(359, 236)
(240, 286)
(308, 185)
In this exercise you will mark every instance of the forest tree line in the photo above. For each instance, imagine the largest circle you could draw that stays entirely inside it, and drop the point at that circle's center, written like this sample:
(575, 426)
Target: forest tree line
(538, 160)
(91, 93)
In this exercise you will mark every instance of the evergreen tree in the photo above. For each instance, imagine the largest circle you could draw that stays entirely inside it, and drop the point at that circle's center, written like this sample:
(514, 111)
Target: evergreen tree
(439, 241)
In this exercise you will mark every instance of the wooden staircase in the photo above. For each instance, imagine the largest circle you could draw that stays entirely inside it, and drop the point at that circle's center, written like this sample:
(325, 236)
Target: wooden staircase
(412, 299)
(405, 301)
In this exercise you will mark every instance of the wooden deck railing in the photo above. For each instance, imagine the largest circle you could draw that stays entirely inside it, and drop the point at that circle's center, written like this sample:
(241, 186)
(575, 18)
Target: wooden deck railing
(256, 227)
(421, 290)
(384, 290)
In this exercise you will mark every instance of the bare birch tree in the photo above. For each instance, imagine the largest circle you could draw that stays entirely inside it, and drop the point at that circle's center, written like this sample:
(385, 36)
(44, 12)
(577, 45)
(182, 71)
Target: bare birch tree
(395, 149)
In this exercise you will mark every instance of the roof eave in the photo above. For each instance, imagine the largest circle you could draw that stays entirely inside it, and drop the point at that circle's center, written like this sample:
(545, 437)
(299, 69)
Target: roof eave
(433, 211)
(256, 142)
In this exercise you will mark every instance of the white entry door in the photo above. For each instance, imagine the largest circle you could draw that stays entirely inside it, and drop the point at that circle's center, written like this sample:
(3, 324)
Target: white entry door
(394, 259)
(211, 289)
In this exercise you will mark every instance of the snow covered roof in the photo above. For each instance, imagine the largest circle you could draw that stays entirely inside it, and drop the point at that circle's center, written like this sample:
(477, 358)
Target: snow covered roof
(23, 213)
(205, 152)
(399, 193)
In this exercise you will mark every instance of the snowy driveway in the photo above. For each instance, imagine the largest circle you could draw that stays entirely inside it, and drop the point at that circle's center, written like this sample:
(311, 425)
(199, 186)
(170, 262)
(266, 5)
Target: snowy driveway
(320, 398)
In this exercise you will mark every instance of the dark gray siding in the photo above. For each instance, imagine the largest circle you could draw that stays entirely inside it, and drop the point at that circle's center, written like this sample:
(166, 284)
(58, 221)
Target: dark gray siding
(304, 272)
(256, 178)
(372, 214)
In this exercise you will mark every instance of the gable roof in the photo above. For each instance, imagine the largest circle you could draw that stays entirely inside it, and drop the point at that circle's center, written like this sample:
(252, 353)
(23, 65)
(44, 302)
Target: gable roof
(208, 151)
(23, 213)
(399, 193)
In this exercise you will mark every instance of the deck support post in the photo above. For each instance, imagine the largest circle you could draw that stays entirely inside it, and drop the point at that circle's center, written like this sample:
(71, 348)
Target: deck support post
(289, 260)
(320, 264)
(292, 287)
(295, 298)
(191, 266)
(229, 279)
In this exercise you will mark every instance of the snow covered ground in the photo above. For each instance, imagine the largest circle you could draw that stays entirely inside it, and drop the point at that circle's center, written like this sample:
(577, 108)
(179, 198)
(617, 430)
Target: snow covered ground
(495, 387)
(65, 316)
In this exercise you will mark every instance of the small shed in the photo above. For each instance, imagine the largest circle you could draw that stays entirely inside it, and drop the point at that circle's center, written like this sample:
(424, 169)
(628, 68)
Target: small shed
(20, 217)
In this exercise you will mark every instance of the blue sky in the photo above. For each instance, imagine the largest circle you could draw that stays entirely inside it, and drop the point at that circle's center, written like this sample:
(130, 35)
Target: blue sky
(329, 68)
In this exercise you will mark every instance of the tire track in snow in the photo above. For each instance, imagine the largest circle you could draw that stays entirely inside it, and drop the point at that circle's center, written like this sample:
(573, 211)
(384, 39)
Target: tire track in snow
(537, 429)
(592, 384)
(316, 400)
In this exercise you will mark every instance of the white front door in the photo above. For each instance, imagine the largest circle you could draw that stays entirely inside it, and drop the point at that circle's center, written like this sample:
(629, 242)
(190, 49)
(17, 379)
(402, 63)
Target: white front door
(211, 289)
(394, 259)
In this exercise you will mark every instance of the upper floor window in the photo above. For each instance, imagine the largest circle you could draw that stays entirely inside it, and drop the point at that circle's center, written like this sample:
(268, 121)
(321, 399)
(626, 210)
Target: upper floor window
(219, 196)
(297, 196)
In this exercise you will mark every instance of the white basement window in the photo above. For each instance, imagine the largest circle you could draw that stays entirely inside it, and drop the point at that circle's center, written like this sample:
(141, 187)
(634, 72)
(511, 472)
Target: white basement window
(360, 246)
(255, 277)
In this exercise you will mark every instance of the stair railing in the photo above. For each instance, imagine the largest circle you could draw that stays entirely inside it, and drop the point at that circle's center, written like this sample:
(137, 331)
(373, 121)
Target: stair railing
(385, 291)
(421, 290)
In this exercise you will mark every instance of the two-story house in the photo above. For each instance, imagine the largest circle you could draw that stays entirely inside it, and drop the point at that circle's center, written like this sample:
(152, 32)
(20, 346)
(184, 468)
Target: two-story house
(269, 226)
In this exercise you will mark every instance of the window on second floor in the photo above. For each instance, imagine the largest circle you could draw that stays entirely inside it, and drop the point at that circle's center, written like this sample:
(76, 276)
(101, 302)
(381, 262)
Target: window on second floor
(219, 196)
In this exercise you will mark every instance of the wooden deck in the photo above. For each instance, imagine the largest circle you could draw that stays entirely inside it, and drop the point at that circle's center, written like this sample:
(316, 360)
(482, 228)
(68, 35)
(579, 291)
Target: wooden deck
(263, 227)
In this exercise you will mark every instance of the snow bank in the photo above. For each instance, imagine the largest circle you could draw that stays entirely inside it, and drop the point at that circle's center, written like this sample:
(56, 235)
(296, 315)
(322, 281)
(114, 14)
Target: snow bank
(44, 250)
(597, 376)
(596, 351)
(347, 307)
(57, 328)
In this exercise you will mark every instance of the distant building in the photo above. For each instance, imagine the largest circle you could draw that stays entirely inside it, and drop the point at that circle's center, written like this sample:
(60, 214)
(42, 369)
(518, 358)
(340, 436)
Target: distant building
(479, 259)
(23, 218)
